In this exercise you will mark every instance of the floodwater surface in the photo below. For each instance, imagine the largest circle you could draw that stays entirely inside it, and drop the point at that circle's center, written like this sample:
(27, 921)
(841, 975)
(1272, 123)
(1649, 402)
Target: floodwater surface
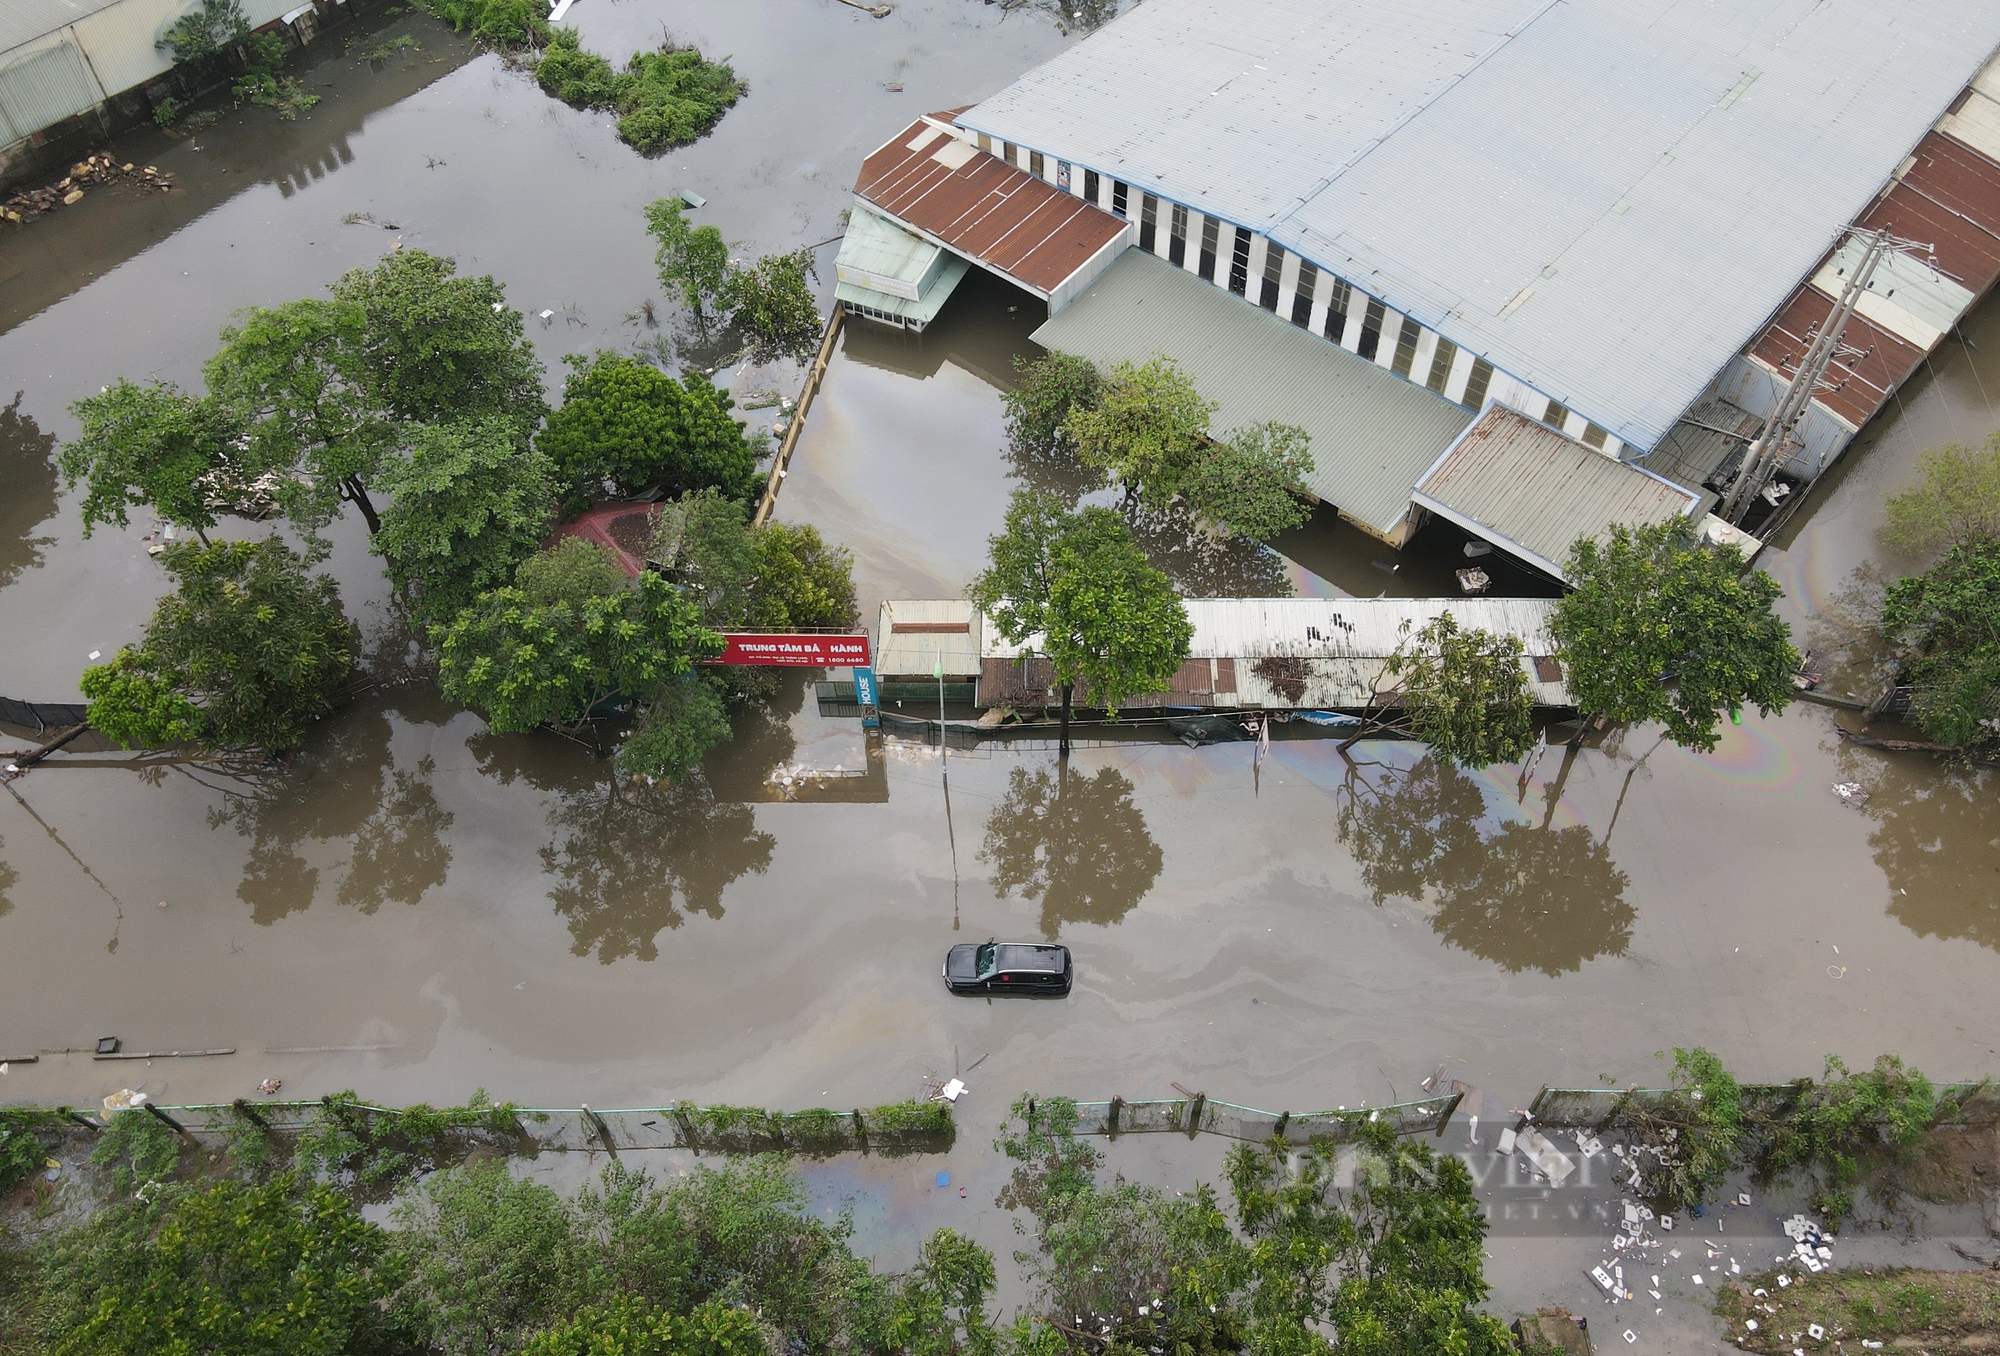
(427, 907)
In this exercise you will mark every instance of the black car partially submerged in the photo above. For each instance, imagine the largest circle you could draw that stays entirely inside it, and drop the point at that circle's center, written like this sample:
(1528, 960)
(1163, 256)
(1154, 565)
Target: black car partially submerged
(1008, 967)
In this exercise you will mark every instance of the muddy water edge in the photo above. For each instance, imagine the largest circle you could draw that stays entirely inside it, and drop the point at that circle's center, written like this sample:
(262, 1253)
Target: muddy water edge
(491, 911)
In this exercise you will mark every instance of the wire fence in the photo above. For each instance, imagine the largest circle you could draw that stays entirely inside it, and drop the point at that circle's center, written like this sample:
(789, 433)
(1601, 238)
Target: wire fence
(1201, 1115)
(895, 1129)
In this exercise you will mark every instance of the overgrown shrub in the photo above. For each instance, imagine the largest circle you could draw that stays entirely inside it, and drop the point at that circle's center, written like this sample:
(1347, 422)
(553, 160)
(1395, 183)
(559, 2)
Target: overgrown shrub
(199, 35)
(1878, 1113)
(1046, 390)
(504, 23)
(664, 99)
(1697, 1130)
(358, 1145)
(27, 1134)
(166, 111)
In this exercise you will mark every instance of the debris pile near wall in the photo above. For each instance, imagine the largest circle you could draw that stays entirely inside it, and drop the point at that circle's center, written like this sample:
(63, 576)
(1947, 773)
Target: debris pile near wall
(89, 172)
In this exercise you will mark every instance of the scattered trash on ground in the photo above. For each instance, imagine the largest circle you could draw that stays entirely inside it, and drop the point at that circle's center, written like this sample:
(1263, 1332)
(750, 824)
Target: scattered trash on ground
(269, 1087)
(1474, 580)
(90, 171)
(1851, 792)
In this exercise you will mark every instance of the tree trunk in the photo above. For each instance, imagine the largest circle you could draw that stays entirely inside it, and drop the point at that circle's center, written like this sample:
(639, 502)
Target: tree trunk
(355, 492)
(204, 538)
(1062, 745)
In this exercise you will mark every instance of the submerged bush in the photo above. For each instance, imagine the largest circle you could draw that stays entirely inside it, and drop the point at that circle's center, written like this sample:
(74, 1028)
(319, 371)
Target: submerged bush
(663, 99)
(504, 23)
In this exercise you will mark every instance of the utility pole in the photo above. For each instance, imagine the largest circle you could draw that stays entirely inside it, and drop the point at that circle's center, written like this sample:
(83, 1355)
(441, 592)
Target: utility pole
(1763, 457)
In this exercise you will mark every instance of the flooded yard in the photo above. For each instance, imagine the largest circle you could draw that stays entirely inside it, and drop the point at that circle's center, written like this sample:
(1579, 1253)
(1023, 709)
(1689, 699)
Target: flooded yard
(432, 907)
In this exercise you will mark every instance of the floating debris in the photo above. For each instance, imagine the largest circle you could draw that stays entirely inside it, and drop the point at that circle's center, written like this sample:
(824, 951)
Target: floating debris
(86, 173)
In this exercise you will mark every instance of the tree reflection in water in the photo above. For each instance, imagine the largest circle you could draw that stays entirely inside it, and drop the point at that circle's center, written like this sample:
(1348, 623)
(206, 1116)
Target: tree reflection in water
(343, 785)
(1937, 839)
(8, 879)
(628, 860)
(1077, 843)
(1521, 895)
(28, 470)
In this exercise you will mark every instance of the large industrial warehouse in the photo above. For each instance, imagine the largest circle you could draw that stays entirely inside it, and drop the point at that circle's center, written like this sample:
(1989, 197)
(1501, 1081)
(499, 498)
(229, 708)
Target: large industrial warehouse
(1623, 222)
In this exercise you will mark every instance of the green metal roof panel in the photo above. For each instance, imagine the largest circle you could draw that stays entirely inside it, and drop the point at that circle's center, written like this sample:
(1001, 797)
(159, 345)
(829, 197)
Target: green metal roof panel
(923, 312)
(880, 255)
(1373, 433)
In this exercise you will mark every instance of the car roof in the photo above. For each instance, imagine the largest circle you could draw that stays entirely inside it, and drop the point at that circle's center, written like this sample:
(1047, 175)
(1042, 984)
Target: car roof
(1029, 956)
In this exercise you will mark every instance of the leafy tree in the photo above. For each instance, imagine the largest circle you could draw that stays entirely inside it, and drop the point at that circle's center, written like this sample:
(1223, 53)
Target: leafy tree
(567, 635)
(1956, 503)
(1079, 583)
(467, 507)
(693, 260)
(940, 1307)
(776, 577)
(1660, 627)
(489, 1258)
(681, 722)
(773, 303)
(285, 1267)
(1252, 483)
(436, 347)
(153, 445)
(1945, 623)
(1413, 1276)
(1047, 391)
(1076, 843)
(1700, 1124)
(1146, 431)
(201, 34)
(248, 649)
(629, 424)
(325, 389)
(292, 376)
(1464, 692)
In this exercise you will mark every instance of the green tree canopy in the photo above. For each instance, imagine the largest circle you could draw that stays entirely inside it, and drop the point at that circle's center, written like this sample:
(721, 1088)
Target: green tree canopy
(470, 503)
(1660, 627)
(1105, 616)
(630, 424)
(1047, 391)
(630, 1327)
(1945, 623)
(775, 307)
(153, 445)
(1252, 483)
(1955, 503)
(248, 649)
(1464, 692)
(283, 1267)
(292, 376)
(774, 577)
(325, 389)
(567, 635)
(1145, 431)
(436, 347)
(693, 260)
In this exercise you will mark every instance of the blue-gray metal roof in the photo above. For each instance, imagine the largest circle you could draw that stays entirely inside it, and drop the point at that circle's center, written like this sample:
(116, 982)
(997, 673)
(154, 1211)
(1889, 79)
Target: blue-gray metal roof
(1604, 198)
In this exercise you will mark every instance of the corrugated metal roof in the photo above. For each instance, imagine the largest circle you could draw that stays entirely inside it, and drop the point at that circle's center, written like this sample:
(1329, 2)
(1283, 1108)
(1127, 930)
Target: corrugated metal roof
(1660, 173)
(1373, 433)
(1342, 640)
(1534, 492)
(878, 254)
(915, 633)
(978, 205)
(1706, 437)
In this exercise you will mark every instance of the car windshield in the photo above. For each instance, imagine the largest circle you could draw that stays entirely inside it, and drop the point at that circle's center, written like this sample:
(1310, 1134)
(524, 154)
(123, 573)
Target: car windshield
(984, 959)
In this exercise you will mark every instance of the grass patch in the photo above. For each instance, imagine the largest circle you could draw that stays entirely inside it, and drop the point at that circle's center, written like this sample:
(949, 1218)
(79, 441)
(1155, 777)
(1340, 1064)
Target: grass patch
(507, 24)
(386, 49)
(1936, 1308)
(663, 99)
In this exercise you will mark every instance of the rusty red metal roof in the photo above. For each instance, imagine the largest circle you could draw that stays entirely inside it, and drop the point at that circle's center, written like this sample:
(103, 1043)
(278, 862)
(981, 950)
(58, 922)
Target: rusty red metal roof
(980, 206)
(1861, 386)
(623, 527)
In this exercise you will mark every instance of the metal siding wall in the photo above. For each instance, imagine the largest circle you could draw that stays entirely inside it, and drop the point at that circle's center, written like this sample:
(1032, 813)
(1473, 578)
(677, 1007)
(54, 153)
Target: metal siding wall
(42, 82)
(120, 41)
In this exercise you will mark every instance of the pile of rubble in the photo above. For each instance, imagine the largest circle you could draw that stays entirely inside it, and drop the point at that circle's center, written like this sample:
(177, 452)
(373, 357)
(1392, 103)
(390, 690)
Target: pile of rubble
(88, 172)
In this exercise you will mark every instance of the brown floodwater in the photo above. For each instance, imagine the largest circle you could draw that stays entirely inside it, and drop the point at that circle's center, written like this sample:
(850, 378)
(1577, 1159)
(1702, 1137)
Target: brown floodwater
(489, 911)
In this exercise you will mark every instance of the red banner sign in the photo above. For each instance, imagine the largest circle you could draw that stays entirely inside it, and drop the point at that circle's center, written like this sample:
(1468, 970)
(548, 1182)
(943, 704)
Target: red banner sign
(792, 650)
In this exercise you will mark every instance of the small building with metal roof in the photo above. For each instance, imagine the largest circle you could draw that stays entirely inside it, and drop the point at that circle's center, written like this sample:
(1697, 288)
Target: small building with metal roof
(1533, 491)
(1294, 653)
(915, 635)
(893, 275)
